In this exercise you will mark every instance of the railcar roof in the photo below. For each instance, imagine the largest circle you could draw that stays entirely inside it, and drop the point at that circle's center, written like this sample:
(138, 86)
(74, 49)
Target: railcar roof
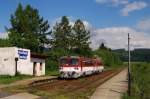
(69, 57)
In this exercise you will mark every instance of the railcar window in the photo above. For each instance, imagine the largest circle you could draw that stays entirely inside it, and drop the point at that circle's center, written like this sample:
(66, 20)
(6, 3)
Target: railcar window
(74, 61)
(63, 61)
(88, 63)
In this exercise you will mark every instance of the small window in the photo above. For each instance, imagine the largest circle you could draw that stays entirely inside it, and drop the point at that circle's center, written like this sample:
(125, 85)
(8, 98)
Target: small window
(40, 66)
(74, 61)
(64, 61)
(88, 63)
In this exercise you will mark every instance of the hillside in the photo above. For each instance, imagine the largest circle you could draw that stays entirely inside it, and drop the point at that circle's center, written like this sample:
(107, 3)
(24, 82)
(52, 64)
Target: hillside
(140, 54)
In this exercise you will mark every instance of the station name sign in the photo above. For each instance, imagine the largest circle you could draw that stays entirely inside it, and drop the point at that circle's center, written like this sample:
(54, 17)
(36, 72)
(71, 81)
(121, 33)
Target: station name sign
(22, 54)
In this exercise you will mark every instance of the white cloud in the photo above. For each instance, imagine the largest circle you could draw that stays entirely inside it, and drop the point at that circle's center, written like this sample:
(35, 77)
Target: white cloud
(120, 2)
(3, 35)
(126, 5)
(116, 37)
(144, 25)
(88, 26)
(112, 2)
(133, 7)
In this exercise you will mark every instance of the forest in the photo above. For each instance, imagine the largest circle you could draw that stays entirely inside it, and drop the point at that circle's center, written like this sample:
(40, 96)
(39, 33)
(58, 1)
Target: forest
(137, 55)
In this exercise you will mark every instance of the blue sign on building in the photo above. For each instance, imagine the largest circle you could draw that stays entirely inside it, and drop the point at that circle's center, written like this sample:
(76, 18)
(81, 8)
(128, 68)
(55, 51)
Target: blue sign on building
(22, 54)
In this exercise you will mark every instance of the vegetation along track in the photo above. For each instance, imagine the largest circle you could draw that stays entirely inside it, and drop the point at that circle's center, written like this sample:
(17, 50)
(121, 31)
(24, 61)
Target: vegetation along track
(80, 88)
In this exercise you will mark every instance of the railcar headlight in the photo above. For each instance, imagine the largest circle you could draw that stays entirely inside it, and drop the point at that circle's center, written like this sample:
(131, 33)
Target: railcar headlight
(76, 68)
(60, 68)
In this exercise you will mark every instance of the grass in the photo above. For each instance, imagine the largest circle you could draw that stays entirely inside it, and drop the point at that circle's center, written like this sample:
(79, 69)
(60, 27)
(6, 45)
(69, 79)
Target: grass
(6, 79)
(52, 73)
(140, 80)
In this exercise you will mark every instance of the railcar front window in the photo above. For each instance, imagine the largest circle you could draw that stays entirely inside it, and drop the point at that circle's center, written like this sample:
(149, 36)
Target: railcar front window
(63, 61)
(74, 62)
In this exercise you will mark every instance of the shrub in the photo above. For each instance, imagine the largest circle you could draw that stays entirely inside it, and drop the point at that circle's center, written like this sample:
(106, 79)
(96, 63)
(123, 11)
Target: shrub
(110, 59)
(140, 81)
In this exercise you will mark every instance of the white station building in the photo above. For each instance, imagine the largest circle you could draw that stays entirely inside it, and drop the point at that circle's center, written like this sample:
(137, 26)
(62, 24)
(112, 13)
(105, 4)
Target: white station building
(13, 60)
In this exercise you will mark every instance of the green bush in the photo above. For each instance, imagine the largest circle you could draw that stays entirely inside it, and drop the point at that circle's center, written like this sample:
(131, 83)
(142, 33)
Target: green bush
(140, 80)
(53, 59)
(110, 59)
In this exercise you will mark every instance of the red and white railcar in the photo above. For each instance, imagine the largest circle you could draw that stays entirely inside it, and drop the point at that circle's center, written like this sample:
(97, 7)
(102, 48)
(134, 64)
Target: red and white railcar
(75, 66)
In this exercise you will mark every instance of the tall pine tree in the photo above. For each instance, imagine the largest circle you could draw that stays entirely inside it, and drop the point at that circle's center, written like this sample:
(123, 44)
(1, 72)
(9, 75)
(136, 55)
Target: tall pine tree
(28, 29)
(81, 35)
(61, 34)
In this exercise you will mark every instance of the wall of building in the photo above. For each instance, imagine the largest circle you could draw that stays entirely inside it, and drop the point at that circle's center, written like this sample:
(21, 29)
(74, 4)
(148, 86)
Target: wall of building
(7, 61)
(25, 65)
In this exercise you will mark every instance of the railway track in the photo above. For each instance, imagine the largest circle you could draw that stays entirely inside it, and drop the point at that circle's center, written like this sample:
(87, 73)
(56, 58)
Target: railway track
(72, 87)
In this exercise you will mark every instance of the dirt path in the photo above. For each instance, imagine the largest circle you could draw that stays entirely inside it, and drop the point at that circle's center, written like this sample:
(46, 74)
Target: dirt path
(22, 96)
(26, 81)
(113, 88)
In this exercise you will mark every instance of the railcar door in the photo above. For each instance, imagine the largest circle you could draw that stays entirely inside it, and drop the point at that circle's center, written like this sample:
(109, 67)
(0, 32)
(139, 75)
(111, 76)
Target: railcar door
(75, 64)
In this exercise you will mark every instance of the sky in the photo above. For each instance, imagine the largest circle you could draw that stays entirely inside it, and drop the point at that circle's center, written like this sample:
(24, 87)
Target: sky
(108, 20)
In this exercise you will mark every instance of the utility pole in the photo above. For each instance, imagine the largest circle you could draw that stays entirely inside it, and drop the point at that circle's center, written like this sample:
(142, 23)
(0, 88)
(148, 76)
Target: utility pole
(16, 66)
(129, 71)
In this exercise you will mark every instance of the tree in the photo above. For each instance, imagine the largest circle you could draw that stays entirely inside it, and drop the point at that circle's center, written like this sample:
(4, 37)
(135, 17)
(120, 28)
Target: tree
(81, 35)
(61, 34)
(4, 42)
(28, 29)
(102, 46)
